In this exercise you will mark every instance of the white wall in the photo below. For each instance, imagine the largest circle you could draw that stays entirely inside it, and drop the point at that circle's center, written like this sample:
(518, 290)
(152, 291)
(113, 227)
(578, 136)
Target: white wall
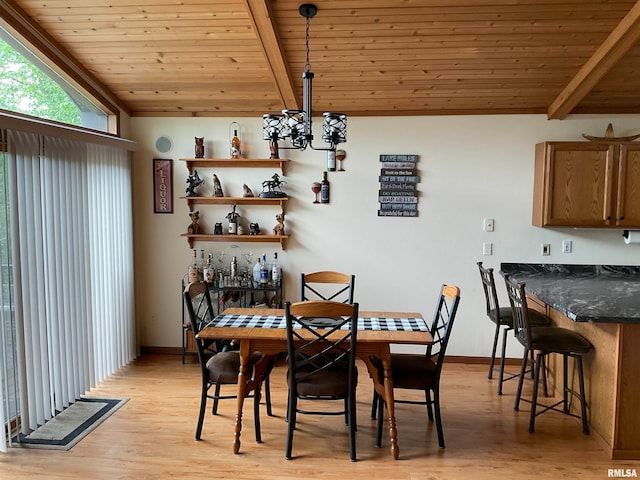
(471, 167)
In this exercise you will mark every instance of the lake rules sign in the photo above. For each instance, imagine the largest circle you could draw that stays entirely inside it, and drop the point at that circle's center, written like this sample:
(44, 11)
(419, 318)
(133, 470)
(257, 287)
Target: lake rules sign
(398, 194)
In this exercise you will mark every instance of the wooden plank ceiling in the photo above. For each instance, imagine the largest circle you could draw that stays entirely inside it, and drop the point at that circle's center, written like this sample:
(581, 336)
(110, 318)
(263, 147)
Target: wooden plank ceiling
(370, 57)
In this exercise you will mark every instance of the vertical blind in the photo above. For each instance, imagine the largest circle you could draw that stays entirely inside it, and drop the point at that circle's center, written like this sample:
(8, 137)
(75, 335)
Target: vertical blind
(72, 257)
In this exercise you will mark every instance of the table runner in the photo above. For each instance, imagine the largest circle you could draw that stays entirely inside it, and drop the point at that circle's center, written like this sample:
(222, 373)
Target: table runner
(406, 324)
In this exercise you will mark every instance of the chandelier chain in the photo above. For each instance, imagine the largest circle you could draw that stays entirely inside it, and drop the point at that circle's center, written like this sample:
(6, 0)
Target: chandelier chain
(307, 66)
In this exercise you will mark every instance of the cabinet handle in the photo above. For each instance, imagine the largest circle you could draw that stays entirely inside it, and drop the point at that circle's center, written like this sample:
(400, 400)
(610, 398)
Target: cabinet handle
(621, 217)
(608, 217)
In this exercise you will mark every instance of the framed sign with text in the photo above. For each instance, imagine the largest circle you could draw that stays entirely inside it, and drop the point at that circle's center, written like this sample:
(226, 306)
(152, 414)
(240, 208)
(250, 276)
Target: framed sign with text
(162, 185)
(399, 178)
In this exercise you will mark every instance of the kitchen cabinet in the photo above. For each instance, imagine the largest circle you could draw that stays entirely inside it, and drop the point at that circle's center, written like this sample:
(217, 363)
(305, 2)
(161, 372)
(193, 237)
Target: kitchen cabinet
(587, 185)
(215, 163)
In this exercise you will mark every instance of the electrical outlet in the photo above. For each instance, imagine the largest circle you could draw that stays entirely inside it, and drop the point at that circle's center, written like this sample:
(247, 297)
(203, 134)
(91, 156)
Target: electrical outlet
(567, 246)
(488, 225)
(546, 249)
(487, 248)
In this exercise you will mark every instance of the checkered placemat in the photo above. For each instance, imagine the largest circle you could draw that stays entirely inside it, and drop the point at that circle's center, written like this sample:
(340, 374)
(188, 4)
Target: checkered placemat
(364, 323)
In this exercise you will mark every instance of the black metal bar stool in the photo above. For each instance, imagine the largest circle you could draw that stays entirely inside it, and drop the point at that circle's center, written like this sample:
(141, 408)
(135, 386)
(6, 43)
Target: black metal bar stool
(546, 340)
(503, 320)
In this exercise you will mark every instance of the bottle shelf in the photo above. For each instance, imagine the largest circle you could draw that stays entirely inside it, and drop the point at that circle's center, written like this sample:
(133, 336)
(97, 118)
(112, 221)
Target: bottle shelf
(235, 163)
(204, 237)
(191, 201)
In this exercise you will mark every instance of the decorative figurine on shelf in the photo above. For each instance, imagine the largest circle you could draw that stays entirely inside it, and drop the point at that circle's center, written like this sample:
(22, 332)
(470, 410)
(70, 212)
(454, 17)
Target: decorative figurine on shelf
(199, 147)
(247, 191)
(279, 228)
(254, 228)
(217, 187)
(193, 182)
(234, 219)
(217, 229)
(273, 187)
(194, 228)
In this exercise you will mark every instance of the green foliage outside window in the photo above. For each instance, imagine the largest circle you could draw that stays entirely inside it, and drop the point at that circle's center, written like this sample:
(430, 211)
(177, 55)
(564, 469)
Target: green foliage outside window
(24, 88)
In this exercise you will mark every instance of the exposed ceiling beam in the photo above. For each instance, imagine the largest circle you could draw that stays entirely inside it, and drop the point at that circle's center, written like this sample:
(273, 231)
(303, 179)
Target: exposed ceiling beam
(616, 46)
(263, 24)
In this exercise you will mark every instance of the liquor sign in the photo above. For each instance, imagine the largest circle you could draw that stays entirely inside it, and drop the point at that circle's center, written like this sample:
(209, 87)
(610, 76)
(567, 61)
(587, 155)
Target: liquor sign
(398, 194)
(162, 186)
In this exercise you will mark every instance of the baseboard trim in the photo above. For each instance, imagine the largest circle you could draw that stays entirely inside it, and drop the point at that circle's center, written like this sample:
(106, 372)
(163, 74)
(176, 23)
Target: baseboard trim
(161, 350)
(480, 360)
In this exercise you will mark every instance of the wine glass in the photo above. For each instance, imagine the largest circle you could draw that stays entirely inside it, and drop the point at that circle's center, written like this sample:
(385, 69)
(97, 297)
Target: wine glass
(248, 256)
(340, 156)
(220, 254)
(315, 188)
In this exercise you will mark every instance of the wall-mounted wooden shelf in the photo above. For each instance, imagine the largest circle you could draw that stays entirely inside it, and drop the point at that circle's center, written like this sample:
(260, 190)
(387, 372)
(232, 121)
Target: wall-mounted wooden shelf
(191, 201)
(204, 237)
(235, 163)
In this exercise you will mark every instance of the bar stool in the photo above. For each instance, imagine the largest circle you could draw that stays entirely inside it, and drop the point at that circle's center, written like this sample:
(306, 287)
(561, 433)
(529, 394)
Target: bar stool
(546, 340)
(503, 320)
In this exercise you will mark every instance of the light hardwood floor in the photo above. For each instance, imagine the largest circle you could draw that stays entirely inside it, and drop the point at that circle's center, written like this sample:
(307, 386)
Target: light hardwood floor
(152, 436)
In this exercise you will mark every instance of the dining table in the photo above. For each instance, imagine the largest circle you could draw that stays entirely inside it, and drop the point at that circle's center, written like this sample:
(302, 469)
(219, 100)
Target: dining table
(264, 330)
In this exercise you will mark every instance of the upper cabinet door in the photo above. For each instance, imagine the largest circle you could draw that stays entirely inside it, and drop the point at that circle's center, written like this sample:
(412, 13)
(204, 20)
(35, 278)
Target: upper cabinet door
(628, 194)
(574, 184)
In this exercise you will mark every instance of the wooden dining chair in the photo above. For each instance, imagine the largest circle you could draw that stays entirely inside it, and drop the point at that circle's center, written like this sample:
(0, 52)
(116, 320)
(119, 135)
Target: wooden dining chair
(545, 341)
(327, 285)
(422, 372)
(321, 347)
(221, 367)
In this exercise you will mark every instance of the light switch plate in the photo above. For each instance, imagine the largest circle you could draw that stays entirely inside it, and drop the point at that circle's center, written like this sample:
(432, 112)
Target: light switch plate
(487, 225)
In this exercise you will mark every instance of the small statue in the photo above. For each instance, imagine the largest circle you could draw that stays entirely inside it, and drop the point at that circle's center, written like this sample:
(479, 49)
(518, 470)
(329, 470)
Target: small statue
(194, 228)
(254, 228)
(247, 191)
(199, 147)
(217, 229)
(193, 181)
(279, 228)
(274, 187)
(217, 187)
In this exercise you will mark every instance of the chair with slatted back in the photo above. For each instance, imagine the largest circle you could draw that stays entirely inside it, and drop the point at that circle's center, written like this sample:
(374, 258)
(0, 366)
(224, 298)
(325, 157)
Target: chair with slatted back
(220, 367)
(327, 285)
(545, 341)
(422, 372)
(321, 347)
(502, 320)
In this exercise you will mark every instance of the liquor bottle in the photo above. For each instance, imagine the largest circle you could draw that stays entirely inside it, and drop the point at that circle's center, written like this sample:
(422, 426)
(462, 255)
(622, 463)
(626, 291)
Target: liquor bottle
(264, 271)
(192, 275)
(201, 265)
(234, 267)
(275, 270)
(331, 160)
(208, 272)
(235, 145)
(324, 189)
(256, 272)
(233, 225)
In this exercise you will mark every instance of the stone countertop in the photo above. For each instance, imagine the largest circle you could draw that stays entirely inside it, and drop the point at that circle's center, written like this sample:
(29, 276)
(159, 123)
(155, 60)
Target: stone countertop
(584, 293)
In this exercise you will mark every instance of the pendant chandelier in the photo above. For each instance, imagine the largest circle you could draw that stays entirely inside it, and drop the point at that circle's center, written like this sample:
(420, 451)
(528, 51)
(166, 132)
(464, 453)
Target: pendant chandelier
(295, 125)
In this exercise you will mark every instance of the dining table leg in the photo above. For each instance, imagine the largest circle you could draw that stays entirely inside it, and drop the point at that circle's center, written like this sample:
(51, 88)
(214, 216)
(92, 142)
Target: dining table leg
(245, 350)
(389, 399)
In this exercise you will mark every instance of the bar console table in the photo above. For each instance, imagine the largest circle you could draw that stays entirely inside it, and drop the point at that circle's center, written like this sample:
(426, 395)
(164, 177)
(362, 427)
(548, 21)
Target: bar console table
(228, 296)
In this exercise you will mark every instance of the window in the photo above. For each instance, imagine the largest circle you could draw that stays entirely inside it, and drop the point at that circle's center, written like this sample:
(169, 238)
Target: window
(30, 86)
